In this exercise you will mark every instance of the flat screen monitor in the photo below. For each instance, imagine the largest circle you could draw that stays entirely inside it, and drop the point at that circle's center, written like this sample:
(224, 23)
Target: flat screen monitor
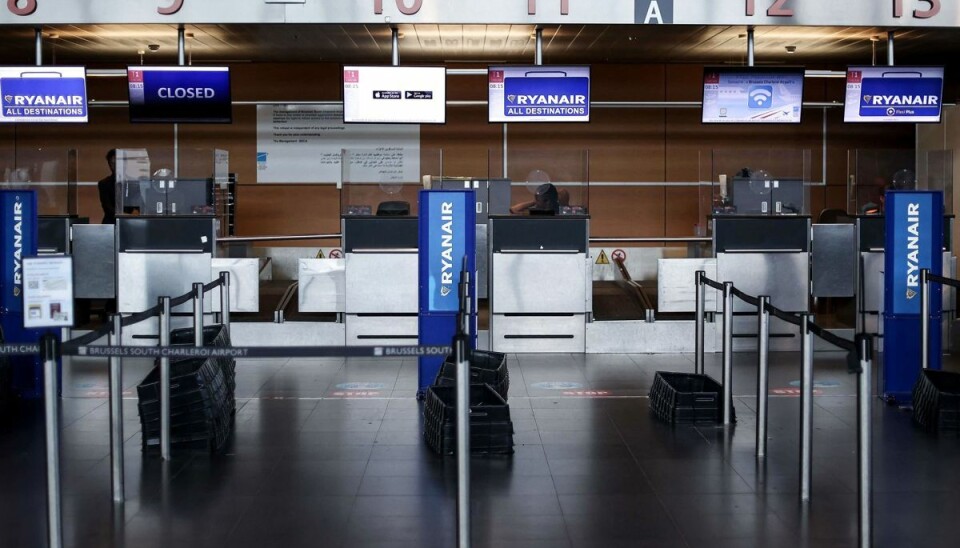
(394, 95)
(893, 94)
(539, 93)
(180, 95)
(750, 95)
(43, 94)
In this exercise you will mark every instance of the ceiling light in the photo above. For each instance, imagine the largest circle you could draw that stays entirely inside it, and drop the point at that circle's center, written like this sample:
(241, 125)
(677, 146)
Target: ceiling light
(153, 47)
(791, 49)
(53, 36)
(141, 52)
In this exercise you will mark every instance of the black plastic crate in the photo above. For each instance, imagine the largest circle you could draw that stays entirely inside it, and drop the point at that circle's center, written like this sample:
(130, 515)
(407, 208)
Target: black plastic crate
(680, 398)
(491, 430)
(185, 375)
(936, 401)
(215, 335)
(485, 368)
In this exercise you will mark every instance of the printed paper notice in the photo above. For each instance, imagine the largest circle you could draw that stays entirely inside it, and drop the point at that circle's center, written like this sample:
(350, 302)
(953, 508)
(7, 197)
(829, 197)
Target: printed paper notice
(304, 144)
(47, 292)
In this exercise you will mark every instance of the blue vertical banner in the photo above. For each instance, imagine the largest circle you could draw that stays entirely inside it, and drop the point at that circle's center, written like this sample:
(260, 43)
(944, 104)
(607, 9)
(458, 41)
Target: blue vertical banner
(18, 239)
(447, 235)
(914, 241)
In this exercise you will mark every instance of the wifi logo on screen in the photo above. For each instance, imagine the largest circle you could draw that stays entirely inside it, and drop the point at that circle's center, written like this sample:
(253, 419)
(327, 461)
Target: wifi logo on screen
(760, 96)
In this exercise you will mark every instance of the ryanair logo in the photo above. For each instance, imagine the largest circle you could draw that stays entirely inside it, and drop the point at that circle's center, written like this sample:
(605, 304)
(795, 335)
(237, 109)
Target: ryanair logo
(17, 246)
(446, 248)
(913, 249)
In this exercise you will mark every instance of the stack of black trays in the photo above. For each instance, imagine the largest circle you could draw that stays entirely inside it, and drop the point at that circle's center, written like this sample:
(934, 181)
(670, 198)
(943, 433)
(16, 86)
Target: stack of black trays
(485, 368)
(213, 335)
(202, 402)
(491, 430)
(679, 398)
(936, 401)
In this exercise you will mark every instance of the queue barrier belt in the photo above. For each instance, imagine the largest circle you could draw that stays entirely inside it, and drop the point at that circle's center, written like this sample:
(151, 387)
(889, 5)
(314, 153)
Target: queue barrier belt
(70, 349)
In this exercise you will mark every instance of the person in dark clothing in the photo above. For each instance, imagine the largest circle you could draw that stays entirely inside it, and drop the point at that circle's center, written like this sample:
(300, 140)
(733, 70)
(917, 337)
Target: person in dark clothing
(107, 188)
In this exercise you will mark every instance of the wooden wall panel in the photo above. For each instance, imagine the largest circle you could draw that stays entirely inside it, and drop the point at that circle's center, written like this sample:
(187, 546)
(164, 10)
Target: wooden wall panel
(638, 145)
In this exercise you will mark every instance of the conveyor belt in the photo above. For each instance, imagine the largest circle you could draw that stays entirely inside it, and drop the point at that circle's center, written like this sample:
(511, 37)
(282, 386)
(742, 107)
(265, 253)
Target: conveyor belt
(271, 293)
(621, 299)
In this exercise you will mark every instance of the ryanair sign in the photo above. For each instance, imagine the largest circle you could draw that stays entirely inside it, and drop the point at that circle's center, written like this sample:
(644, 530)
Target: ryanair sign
(17, 231)
(914, 242)
(449, 219)
(893, 94)
(43, 94)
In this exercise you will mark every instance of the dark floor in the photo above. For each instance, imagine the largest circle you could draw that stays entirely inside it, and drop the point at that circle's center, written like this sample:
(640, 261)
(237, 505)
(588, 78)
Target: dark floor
(314, 464)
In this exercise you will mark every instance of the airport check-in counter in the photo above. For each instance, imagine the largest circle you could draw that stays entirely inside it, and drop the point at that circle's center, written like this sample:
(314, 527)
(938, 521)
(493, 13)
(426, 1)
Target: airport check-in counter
(54, 233)
(381, 280)
(162, 257)
(764, 255)
(540, 284)
(493, 198)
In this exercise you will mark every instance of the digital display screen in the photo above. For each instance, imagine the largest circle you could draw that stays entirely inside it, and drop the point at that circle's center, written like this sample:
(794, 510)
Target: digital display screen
(539, 94)
(747, 95)
(182, 95)
(395, 95)
(893, 94)
(43, 94)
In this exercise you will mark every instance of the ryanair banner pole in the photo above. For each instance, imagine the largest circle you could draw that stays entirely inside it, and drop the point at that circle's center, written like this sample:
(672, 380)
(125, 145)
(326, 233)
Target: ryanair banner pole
(914, 241)
(447, 234)
(18, 239)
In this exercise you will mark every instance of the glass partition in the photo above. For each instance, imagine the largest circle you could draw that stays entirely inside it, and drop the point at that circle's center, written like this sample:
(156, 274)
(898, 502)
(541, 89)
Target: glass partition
(553, 182)
(870, 173)
(386, 181)
(935, 172)
(186, 188)
(52, 172)
(759, 181)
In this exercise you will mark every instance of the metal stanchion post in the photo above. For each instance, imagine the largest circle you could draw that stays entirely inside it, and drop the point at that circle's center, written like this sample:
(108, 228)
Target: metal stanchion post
(198, 314)
(463, 444)
(225, 301)
(165, 380)
(698, 323)
(763, 368)
(924, 319)
(49, 349)
(864, 442)
(461, 354)
(806, 406)
(116, 413)
(727, 351)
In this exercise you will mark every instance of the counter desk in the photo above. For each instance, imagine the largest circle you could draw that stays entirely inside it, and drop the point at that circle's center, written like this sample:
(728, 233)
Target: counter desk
(540, 283)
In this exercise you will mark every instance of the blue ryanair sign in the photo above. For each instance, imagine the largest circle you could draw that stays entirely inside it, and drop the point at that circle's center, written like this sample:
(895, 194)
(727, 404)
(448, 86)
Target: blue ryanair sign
(54, 94)
(18, 229)
(445, 246)
(914, 242)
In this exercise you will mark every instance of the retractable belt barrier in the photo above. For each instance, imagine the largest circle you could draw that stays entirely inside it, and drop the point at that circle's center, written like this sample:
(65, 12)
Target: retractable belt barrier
(859, 362)
(83, 345)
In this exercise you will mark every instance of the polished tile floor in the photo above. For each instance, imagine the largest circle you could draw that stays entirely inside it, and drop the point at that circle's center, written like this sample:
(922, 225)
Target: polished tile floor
(329, 453)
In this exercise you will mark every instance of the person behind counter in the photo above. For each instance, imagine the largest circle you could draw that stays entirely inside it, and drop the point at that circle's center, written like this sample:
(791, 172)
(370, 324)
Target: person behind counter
(107, 188)
(546, 200)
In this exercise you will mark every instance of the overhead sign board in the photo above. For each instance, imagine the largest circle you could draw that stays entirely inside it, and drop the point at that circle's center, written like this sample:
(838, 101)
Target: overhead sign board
(742, 95)
(539, 94)
(395, 95)
(857, 13)
(48, 292)
(179, 94)
(43, 94)
(893, 94)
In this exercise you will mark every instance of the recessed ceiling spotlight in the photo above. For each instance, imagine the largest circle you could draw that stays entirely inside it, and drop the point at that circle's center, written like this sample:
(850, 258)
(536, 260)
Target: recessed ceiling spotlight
(791, 49)
(741, 36)
(53, 36)
(874, 38)
(153, 47)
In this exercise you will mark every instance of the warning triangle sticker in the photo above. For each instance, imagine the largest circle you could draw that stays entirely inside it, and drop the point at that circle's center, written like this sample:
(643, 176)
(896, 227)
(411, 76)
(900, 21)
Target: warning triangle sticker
(319, 254)
(602, 259)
